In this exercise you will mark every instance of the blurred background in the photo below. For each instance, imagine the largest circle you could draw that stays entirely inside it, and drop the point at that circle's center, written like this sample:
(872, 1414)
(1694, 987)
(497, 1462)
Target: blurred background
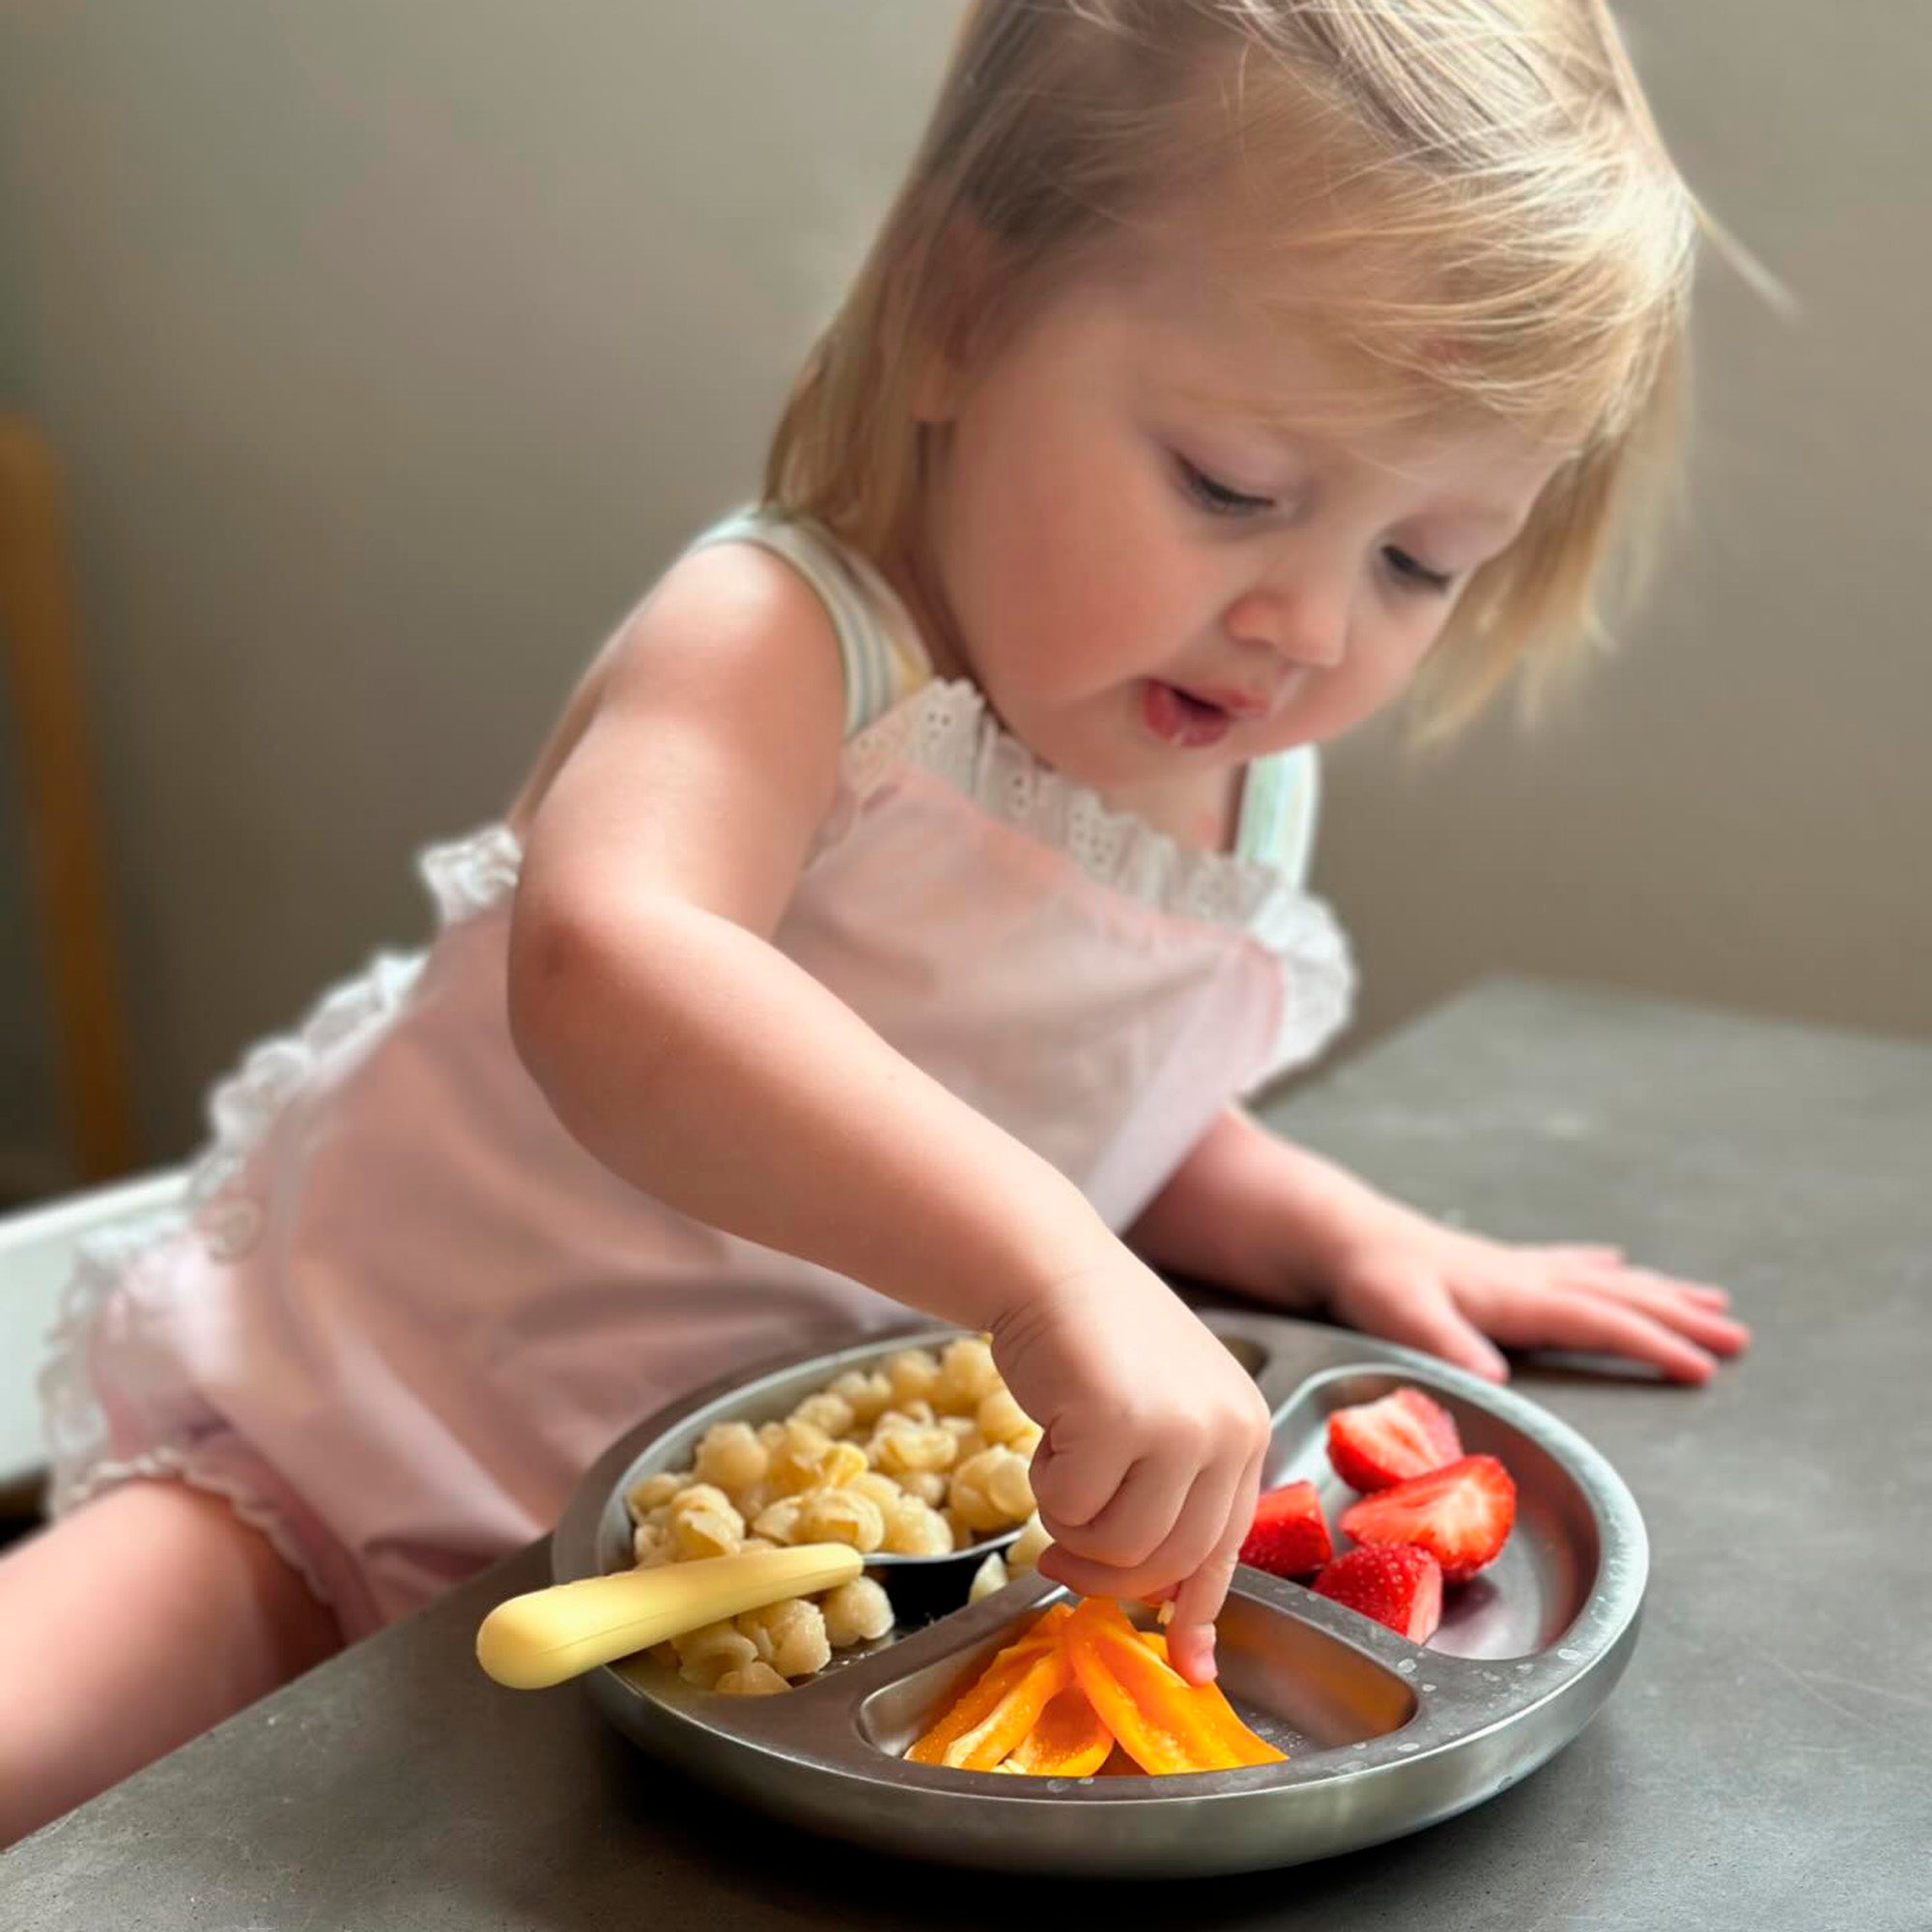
(387, 350)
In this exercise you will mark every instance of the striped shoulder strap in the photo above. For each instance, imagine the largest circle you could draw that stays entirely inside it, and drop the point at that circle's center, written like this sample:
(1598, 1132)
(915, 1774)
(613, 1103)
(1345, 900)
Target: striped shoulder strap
(878, 642)
(1279, 799)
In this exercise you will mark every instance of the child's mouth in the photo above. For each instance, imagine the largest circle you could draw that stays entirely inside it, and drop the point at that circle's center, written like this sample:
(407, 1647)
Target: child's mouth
(1178, 718)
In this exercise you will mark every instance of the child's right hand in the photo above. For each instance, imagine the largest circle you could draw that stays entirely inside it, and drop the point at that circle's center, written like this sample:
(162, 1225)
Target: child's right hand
(1147, 1476)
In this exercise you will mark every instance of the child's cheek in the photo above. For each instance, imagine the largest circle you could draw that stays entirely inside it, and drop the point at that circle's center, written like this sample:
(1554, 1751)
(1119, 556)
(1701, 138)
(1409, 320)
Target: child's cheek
(1113, 586)
(1363, 688)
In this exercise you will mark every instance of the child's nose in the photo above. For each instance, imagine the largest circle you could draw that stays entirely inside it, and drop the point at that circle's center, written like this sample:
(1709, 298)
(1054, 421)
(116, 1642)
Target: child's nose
(1303, 624)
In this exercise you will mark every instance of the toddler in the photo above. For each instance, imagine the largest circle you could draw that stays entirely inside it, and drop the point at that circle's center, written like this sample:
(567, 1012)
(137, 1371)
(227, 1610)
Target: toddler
(913, 885)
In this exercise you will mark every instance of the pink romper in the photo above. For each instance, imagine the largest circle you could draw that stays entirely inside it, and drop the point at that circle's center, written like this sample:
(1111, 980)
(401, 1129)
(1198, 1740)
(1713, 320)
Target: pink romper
(403, 1309)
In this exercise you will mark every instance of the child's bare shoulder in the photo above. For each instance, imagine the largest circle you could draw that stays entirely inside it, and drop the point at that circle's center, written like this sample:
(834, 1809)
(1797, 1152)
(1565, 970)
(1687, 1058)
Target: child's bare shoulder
(731, 641)
(732, 611)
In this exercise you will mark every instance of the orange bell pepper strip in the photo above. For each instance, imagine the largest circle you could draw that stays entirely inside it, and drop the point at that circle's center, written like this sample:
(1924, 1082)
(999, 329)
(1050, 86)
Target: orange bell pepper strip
(1250, 1748)
(1164, 1723)
(981, 1727)
(1070, 1740)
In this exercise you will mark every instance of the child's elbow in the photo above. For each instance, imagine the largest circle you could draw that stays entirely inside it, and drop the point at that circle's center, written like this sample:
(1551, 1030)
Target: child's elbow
(599, 990)
(554, 959)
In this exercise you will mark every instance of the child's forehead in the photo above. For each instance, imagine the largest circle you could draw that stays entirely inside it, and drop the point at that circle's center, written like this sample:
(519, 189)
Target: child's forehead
(1274, 354)
(1271, 341)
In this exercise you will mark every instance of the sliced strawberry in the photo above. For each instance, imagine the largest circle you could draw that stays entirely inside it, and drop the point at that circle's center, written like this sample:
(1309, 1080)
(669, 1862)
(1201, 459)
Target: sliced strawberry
(1461, 1515)
(1289, 1535)
(1395, 1583)
(1403, 1435)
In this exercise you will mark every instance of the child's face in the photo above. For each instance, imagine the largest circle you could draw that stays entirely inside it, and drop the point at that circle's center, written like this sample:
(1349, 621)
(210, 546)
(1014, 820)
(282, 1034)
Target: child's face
(1147, 582)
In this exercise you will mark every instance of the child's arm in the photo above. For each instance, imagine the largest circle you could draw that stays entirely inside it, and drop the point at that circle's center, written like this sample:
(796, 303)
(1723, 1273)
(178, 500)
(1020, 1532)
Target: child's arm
(1250, 1210)
(701, 1064)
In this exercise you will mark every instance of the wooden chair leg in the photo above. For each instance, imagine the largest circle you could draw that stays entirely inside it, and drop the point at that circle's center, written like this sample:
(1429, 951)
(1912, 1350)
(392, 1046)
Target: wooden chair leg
(67, 879)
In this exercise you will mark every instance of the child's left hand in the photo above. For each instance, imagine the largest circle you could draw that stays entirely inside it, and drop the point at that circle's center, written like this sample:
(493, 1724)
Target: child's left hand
(1412, 1280)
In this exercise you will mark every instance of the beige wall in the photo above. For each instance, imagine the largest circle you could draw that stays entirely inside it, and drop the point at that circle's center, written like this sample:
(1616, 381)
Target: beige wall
(392, 347)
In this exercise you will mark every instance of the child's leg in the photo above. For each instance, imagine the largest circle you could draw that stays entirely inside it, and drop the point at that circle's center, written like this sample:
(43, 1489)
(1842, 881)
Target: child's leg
(136, 1623)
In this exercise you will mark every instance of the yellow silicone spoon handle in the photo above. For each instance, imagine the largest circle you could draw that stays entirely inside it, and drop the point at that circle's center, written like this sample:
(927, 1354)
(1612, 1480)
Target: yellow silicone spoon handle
(547, 1635)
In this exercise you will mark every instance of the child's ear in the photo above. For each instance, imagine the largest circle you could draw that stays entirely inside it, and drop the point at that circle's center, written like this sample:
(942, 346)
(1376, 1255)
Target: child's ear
(958, 319)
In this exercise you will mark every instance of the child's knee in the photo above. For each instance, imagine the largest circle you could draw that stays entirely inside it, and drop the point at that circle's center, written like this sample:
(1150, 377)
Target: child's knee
(146, 1617)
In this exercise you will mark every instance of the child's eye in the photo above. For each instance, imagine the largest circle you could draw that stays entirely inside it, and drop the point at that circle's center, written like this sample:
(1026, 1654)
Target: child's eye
(1217, 498)
(1416, 575)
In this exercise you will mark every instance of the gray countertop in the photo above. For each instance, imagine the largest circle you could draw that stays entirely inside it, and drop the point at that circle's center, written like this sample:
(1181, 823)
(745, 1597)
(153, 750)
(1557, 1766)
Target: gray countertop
(1764, 1763)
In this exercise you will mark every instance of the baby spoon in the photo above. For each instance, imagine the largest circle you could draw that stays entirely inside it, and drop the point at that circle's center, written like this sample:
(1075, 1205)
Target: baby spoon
(546, 1636)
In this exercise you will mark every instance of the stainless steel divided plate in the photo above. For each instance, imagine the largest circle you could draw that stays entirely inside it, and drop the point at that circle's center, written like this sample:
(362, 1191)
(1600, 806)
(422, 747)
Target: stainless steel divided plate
(1383, 1736)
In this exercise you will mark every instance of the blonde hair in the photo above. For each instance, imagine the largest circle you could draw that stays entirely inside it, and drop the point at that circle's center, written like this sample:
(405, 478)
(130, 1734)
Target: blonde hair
(1513, 237)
